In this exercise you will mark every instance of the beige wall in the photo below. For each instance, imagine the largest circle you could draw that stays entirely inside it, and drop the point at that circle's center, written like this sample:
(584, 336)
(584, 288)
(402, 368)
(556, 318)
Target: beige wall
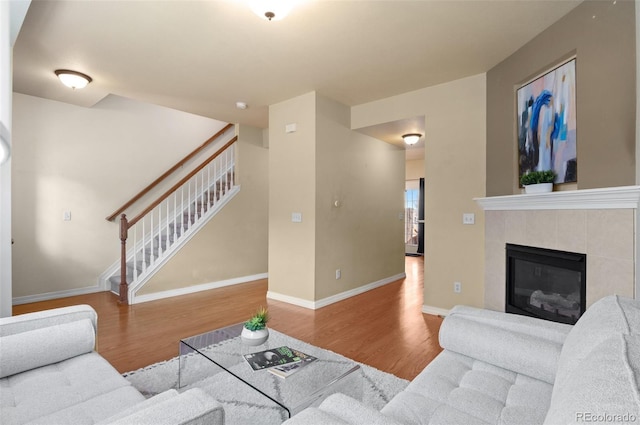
(455, 138)
(363, 236)
(601, 35)
(414, 169)
(234, 243)
(87, 161)
(321, 163)
(292, 188)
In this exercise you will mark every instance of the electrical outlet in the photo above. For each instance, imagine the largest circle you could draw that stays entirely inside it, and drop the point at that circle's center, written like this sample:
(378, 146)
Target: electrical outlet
(296, 217)
(338, 274)
(457, 287)
(468, 218)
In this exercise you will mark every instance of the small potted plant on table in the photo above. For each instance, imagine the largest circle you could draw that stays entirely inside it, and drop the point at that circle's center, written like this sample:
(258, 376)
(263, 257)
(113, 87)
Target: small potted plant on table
(254, 331)
(538, 181)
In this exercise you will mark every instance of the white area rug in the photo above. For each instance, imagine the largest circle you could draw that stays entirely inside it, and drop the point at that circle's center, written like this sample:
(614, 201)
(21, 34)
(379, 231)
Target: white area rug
(244, 406)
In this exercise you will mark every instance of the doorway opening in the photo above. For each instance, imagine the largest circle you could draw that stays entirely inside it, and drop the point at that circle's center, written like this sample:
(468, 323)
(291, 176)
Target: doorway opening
(414, 217)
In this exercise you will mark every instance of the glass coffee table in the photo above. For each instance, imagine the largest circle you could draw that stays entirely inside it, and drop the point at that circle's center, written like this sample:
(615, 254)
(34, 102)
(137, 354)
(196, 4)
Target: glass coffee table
(222, 350)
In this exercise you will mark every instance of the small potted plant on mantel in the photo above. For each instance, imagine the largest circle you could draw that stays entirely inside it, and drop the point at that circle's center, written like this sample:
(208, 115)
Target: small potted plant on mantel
(538, 181)
(254, 331)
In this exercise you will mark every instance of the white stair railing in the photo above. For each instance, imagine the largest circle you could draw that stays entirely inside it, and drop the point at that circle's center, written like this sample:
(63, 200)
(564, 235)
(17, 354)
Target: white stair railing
(155, 234)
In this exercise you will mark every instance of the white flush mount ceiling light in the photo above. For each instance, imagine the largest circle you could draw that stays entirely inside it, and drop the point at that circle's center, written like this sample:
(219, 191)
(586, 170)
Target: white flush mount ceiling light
(271, 10)
(242, 105)
(73, 79)
(411, 138)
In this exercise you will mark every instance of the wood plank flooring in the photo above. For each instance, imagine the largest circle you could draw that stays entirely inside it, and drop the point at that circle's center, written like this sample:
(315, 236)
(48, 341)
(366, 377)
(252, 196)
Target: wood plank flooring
(384, 328)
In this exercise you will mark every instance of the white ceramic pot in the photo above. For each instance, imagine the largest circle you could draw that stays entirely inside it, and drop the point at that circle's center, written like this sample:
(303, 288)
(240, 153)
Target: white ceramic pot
(254, 337)
(538, 188)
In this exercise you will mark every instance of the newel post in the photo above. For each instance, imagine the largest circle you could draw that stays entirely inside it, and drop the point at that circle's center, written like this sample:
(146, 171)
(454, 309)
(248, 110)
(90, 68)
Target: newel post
(124, 286)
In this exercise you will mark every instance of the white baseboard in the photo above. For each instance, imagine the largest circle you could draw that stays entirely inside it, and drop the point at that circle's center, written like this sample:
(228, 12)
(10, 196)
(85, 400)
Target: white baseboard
(314, 305)
(291, 300)
(196, 288)
(436, 311)
(57, 294)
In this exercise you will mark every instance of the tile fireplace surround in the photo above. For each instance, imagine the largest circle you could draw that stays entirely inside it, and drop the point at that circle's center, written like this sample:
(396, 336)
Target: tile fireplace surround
(596, 222)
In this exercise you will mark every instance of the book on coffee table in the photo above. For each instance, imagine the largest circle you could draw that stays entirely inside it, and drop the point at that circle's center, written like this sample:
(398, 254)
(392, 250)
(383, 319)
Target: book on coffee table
(273, 357)
(285, 370)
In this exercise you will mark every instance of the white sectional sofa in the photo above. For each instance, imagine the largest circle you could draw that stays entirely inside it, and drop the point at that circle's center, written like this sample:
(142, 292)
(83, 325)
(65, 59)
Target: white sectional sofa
(499, 368)
(50, 375)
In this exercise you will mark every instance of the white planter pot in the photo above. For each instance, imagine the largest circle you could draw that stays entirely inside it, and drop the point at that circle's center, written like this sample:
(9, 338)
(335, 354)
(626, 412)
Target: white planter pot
(539, 188)
(254, 337)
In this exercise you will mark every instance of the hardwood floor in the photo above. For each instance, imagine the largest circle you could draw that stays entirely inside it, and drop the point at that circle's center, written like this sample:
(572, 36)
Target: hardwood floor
(384, 328)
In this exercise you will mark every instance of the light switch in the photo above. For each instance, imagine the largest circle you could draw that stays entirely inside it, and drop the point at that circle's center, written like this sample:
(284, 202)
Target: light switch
(296, 217)
(66, 215)
(290, 128)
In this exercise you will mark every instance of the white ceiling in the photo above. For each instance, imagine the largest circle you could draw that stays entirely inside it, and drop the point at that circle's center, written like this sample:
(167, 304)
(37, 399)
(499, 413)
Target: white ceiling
(203, 56)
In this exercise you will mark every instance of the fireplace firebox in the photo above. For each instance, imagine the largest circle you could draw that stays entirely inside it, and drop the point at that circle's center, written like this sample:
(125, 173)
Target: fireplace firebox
(545, 283)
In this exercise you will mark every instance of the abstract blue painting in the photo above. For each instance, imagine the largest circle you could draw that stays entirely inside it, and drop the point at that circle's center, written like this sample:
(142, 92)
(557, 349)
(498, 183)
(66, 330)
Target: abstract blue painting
(547, 124)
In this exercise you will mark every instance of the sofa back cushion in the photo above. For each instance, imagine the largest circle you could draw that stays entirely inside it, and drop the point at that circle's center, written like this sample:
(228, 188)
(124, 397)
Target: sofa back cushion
(599, 366)
(40, 347)
(604, 389)
(607, 317)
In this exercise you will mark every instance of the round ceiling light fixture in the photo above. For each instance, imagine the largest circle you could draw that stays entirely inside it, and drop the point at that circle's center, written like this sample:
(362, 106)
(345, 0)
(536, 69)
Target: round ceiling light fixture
(411, 138)
(242, 105)
(73, 79)
(272, 10)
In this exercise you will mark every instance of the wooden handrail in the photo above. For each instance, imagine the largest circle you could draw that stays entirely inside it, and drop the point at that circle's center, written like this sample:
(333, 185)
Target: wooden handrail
(168, 172)
(180, 183)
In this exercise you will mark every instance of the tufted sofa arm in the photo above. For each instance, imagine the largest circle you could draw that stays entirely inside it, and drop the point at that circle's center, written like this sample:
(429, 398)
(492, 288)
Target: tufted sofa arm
(340, 409)
(43, 319)
(505, 340)
(193, 407)
(42, 338)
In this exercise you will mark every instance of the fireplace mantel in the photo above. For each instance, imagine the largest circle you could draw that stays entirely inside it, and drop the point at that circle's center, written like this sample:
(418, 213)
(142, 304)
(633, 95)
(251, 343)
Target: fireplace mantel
(606, 198)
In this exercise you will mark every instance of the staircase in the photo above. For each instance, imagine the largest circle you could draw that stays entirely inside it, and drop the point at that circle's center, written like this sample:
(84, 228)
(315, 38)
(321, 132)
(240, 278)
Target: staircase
(158, 232)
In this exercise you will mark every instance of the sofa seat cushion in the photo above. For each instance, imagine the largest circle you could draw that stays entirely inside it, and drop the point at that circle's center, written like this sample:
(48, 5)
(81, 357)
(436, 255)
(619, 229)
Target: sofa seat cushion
(455, 388)
(80, 390)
